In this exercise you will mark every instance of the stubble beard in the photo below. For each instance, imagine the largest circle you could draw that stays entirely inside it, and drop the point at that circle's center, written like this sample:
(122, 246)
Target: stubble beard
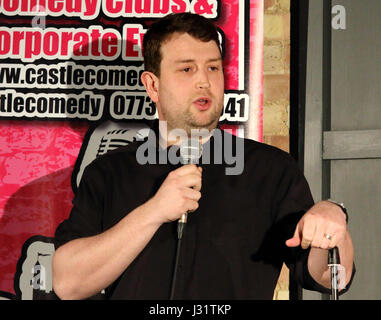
(188, 122)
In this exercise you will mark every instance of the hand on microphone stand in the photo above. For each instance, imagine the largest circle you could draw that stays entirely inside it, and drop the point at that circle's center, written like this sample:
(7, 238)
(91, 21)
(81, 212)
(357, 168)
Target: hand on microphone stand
(333, 263)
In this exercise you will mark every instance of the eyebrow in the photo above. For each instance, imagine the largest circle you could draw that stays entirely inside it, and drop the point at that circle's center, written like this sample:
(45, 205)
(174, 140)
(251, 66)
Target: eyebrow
(192, 60)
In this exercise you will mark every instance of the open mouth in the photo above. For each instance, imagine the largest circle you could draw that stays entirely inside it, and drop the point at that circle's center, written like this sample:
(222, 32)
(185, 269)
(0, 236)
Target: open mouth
(202, 103)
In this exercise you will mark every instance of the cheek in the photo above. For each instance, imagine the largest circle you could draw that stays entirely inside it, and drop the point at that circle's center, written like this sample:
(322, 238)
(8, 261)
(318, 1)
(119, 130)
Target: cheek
(177, 93)
(219, 85)
(219, 92)
(165, 92)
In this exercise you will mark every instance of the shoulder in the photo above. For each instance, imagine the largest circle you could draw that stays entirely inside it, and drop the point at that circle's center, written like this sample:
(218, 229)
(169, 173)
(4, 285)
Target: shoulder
(269, 160)
(249, 144)
(260, 150)
(255, 158)
(257, 151)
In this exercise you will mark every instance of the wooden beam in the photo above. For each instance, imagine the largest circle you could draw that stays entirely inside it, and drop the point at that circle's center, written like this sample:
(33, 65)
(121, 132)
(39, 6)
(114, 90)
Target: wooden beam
(359, 144)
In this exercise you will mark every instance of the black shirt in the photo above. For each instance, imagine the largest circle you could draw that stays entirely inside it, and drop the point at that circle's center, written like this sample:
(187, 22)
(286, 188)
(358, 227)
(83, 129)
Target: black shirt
(234, 244)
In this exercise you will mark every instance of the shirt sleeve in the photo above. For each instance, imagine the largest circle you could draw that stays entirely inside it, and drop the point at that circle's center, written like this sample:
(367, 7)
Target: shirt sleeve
(85, 218)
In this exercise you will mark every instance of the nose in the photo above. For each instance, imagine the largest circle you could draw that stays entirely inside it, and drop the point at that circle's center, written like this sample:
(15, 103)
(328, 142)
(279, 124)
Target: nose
(203, 80)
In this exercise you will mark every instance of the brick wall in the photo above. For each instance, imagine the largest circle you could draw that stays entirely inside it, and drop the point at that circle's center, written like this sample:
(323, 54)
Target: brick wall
(276, 86)
(276, 73)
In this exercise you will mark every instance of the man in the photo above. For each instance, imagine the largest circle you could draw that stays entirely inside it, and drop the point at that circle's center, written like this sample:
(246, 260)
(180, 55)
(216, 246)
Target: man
(121, 232)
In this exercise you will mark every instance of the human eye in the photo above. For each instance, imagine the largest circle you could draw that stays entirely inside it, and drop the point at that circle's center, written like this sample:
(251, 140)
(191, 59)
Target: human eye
(184, 68)
(214, 68)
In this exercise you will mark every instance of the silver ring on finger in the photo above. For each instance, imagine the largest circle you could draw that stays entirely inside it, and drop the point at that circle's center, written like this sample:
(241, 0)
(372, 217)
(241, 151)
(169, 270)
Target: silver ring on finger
(327, 236)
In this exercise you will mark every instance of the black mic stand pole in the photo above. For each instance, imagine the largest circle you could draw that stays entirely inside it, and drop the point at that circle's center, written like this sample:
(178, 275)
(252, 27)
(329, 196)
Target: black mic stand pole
(333, 263)
(190, 153)
(180, 231)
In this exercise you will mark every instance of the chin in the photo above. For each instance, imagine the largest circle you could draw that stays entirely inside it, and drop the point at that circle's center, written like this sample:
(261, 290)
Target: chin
(209, 125)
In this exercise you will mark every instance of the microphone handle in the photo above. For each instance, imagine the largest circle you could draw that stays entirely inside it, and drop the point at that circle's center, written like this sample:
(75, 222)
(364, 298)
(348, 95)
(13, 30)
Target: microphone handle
(181, 225)
(184, 218)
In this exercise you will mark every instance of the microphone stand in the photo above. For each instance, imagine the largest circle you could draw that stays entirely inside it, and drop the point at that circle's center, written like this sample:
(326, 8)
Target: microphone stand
(180, 231)
(190, 152)
(333, 263)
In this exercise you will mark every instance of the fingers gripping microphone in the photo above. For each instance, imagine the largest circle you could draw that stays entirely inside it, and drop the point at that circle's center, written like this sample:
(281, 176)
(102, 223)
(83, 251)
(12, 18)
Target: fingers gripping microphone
(190, 153)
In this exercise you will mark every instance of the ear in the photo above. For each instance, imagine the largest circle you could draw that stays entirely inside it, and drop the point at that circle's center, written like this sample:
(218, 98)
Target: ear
(151, 83)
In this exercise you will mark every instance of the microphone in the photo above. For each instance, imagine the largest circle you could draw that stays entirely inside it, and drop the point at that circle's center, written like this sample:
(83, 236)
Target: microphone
(190, 153)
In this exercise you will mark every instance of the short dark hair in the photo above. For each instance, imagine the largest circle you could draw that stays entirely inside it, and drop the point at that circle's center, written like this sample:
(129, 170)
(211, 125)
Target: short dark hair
(195, 25)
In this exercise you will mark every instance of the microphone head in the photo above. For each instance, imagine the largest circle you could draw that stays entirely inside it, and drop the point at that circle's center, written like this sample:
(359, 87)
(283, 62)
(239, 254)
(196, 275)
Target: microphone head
(190, 151)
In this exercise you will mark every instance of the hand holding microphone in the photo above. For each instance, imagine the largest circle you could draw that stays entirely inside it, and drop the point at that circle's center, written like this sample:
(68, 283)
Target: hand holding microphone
(180, 192)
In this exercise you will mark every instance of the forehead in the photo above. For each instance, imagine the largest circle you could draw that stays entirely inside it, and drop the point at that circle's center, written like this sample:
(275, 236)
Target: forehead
(184, 46)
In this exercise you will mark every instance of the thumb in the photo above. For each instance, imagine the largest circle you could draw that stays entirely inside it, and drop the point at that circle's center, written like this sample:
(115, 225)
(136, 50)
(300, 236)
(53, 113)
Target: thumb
(296, 239)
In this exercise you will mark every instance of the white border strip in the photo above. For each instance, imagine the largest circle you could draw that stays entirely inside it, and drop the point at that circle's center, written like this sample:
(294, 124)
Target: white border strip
(241, 48)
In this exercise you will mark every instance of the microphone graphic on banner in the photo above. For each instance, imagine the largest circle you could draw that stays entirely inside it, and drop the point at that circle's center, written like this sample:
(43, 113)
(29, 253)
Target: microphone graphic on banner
(105, 137)
(113, 140)
(190, 153)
